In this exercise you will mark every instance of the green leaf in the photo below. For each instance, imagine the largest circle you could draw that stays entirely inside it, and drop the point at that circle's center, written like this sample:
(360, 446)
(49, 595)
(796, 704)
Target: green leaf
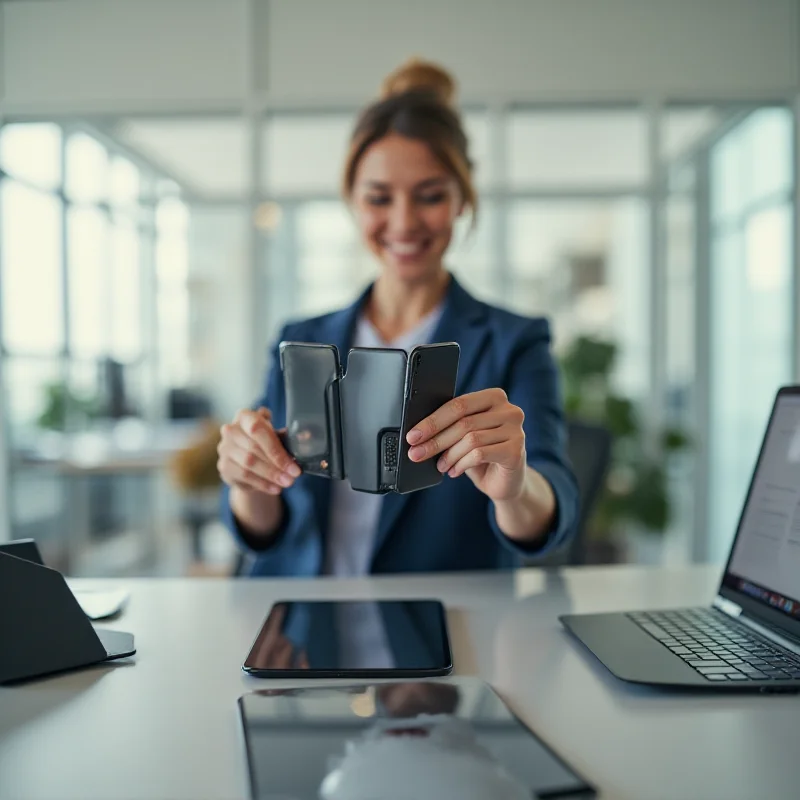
(673, 439)
(643, 495)
(621, 417)
(589, 358)
(649, 503)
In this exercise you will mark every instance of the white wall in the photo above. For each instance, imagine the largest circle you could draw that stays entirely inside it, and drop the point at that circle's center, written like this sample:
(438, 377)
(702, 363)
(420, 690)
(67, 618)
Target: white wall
(125, 55)
(533, 48)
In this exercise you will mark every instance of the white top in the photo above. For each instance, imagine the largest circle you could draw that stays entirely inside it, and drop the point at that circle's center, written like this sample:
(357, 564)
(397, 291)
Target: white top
(353, 525)
(354, 515)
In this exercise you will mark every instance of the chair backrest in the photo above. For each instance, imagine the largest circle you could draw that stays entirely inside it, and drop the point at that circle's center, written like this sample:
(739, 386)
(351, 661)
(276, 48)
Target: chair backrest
(589, 450)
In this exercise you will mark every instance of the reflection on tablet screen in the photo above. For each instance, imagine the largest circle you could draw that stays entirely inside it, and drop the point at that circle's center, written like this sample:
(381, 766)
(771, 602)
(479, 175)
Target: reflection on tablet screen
(398, 740)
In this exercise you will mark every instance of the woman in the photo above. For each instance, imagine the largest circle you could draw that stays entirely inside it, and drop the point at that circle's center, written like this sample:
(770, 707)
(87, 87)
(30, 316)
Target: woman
(508, 491)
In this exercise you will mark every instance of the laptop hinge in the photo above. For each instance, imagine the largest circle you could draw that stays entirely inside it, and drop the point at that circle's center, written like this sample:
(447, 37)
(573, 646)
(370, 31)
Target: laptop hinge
(727, 606)
(776, 635)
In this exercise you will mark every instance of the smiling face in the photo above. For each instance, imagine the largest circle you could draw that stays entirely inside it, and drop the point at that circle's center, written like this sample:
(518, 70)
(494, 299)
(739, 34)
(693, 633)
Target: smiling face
(405, 202)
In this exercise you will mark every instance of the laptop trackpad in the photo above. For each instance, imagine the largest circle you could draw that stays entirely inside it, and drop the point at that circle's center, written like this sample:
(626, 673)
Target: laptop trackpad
(629, 652)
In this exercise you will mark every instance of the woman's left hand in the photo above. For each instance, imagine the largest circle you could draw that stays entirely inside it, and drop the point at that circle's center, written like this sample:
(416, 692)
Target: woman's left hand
(479, 434)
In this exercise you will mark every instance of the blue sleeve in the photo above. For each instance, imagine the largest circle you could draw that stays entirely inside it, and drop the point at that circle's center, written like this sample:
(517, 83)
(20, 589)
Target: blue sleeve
(532, 383)
(295, 549)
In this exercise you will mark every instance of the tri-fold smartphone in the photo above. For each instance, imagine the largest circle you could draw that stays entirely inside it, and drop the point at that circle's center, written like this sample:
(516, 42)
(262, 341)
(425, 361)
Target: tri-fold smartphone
(352, 425)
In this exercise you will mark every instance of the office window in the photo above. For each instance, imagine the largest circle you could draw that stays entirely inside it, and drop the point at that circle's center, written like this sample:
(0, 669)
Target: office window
(473, 255)
(126, 301)
(32, 152)
(751, 320)
(581, 263)
(87, 261)
(124, 183)
(479, 134)
(577, 149)
(30, 385)
(332, 266)
(680, 243)
(172, 292)
(87, 173)
(771, 135)
(684, 130)
(208, 155)
(30, 253)
(305, 153)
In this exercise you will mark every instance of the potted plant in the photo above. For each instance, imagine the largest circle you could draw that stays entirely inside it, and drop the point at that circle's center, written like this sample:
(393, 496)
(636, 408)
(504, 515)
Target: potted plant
(61, 402)
(636, 492)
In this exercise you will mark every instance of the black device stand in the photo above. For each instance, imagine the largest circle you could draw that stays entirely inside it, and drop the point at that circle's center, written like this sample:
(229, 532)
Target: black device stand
(43, 628)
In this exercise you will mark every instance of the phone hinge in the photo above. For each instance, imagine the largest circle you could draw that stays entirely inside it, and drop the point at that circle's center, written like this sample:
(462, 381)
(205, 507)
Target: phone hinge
(727, 606)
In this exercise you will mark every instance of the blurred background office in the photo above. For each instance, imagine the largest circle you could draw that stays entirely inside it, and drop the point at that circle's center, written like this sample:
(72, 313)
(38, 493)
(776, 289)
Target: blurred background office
(169, 175)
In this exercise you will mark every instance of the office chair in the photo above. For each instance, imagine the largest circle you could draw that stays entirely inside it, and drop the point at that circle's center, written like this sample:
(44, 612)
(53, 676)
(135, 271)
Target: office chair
(589, 451)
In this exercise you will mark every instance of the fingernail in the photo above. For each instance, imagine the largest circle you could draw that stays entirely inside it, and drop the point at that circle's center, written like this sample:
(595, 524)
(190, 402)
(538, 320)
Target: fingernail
(452, 472)
(414, 436)
(441, 465)
(416, 452)
(285, 480)
(294, 470)
(273, 490)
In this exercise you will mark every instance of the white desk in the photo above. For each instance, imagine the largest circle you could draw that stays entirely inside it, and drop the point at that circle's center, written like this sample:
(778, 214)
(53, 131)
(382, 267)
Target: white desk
(166, 725)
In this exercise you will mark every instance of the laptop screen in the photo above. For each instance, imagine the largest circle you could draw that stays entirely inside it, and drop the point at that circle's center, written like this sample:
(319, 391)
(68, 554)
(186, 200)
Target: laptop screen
(765, 561)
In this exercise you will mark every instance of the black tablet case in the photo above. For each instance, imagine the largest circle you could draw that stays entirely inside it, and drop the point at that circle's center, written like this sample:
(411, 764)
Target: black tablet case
(43, 628)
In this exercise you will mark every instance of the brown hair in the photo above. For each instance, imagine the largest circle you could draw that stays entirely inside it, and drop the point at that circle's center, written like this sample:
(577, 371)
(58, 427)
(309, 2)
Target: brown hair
(416, 101)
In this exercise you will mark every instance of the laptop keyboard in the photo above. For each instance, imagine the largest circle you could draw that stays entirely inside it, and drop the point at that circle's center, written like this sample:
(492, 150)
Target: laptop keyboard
(718, 649)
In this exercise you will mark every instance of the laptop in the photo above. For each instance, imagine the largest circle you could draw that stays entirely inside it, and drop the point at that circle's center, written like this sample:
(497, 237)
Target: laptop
(749, 637)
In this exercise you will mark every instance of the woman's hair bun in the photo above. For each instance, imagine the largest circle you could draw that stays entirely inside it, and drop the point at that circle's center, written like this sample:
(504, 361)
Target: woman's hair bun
(417, 75)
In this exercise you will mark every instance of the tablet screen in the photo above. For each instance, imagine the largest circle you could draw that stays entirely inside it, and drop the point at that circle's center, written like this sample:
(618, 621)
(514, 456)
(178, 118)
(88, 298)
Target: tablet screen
(352, 638)
(421, 739)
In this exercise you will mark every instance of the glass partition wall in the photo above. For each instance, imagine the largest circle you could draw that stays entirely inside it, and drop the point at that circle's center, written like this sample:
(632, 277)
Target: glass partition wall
(170, 250)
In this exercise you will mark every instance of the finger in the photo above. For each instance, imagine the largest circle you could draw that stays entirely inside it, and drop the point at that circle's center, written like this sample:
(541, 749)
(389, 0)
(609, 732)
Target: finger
(238, 446)
(234, 474)
(454, 410)
(238, 450)
(262, 432)
(275, 619)
(282, 654)
(251, 459)
(501, 454)
(233, 436)
(459, 430)
(302, 660)
(262, 411)
(474, 441)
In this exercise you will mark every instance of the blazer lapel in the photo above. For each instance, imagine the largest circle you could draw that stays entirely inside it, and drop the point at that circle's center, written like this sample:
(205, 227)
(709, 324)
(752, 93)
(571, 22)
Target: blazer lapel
(464, 321)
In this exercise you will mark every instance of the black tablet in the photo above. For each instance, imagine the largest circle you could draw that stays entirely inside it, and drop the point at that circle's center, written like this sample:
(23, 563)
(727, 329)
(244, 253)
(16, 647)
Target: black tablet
(443, 739)
(352, 639)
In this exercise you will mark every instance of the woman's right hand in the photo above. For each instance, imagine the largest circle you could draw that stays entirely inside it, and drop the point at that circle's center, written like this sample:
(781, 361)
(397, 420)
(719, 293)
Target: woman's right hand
(252, 457)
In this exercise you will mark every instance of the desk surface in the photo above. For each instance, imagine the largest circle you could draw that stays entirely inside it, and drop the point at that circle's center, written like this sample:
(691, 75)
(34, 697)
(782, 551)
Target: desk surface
(166, 725)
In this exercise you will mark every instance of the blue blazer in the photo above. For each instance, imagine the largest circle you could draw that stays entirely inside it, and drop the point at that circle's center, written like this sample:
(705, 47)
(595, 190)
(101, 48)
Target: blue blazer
(450, 526)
